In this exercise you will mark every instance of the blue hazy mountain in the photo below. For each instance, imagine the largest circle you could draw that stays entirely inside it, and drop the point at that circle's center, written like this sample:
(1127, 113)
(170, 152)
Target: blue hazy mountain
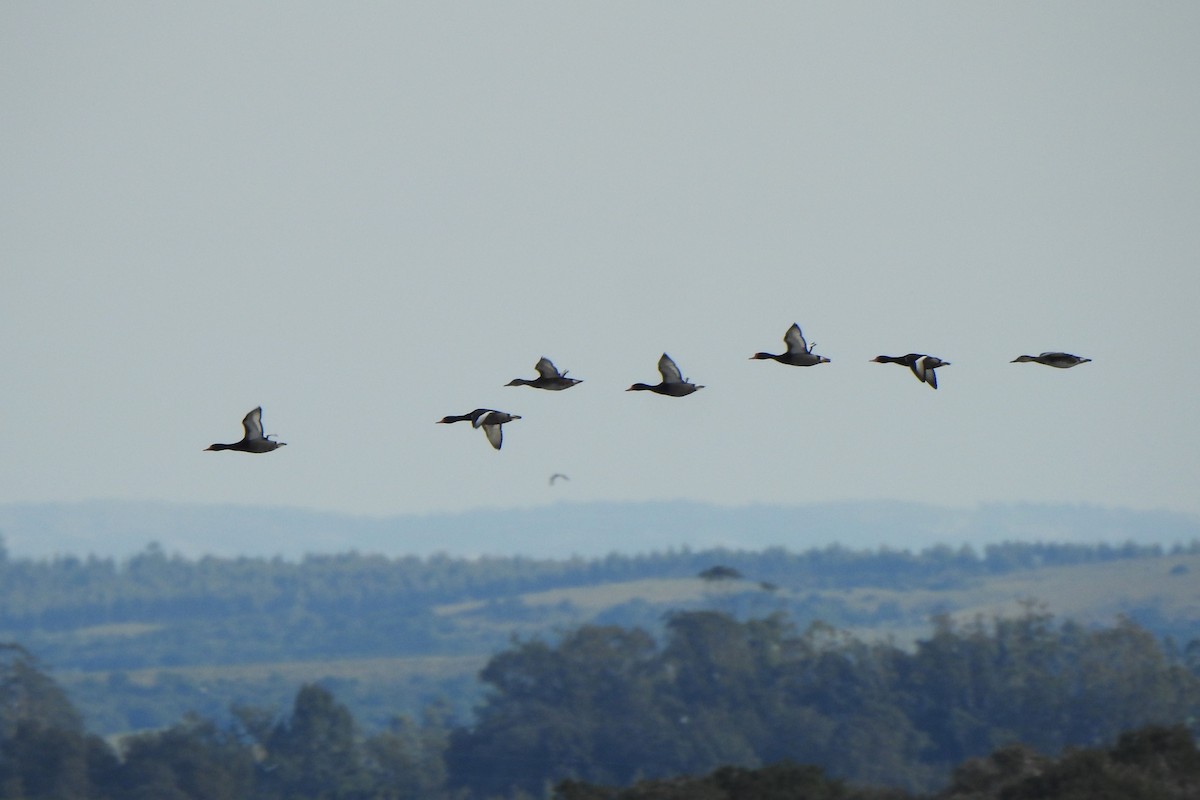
(561, 530)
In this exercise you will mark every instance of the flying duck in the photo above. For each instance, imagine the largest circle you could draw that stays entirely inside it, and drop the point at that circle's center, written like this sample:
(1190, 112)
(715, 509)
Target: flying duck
(922, 366)
(673, 383)
(798, 354)
(253, 441)
(487, 418)
(1060, 360)
(548, 378)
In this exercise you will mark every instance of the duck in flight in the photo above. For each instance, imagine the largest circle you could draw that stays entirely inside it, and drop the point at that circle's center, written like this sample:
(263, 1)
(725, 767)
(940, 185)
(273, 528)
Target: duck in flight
(798, 354)
(487, 418)
(922, 366)
(557, 477)
(1053, 359)
(253, 441)
(548, 378)
(673, 383)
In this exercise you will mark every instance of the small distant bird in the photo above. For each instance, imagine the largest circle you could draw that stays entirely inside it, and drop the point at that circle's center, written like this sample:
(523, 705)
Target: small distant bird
(253, 441)
(673, 383)
(1055, 359)
(491, 423)
(558, 476)
(798, 354)
(922, 366)
(548, 378)
(474, 417)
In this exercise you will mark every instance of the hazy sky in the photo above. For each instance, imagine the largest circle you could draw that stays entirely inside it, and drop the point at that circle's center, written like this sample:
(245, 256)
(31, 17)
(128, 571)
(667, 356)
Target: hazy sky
(366, 216)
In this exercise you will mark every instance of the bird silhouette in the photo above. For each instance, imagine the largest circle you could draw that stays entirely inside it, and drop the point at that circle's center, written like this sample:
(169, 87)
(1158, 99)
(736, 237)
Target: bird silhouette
(487, 418)
(1053, 359)
(253, 441)
(798, 354)
(673, 383)
(548, 378)
(922, 366)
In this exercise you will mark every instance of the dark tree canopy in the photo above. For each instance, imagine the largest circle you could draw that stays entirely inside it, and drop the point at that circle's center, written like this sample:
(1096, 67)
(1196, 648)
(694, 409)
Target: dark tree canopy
(1016, 708)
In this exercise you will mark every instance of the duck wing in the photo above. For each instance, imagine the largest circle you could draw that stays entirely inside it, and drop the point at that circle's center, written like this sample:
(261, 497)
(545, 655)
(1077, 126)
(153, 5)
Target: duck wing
(494, 433)
(670, 373)
(545, 369)
(794, 340)
(926, 367)
(478, 414)
(252, 423)
(930, 375)
(913, 362)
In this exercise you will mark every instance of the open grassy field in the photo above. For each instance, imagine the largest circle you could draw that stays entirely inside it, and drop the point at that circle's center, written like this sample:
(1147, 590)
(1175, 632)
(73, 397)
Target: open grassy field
(1089, 593)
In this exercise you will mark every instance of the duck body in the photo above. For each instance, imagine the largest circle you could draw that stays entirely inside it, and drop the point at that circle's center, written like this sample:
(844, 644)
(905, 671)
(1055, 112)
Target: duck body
(673, 383)
(473, 417)
(253, 440)
(798, 354)
(548, 378)
(1053, 359)
(922, 365)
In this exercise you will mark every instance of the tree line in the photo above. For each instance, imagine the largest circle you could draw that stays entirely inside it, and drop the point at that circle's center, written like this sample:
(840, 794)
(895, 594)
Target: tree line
(1151, 763)
(68, 591)
(969, 709)
(127, 630)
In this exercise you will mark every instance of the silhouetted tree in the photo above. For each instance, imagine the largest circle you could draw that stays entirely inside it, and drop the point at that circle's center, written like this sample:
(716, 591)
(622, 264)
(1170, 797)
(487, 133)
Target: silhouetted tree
(193, 759)
(312, 754)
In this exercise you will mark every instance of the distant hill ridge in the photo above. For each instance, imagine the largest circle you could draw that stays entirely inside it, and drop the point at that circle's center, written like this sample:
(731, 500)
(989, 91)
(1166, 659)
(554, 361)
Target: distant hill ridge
(111, 528)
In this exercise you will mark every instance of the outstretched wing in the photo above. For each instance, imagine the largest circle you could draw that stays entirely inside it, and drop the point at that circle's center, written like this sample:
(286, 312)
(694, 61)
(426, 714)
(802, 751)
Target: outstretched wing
(252, 423)
(494, 433)
(670, 372)
(794, 340)
(926, 370)
(545, 369)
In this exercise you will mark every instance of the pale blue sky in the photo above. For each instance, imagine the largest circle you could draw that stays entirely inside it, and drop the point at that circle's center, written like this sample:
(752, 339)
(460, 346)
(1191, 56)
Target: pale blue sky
(364, 217)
